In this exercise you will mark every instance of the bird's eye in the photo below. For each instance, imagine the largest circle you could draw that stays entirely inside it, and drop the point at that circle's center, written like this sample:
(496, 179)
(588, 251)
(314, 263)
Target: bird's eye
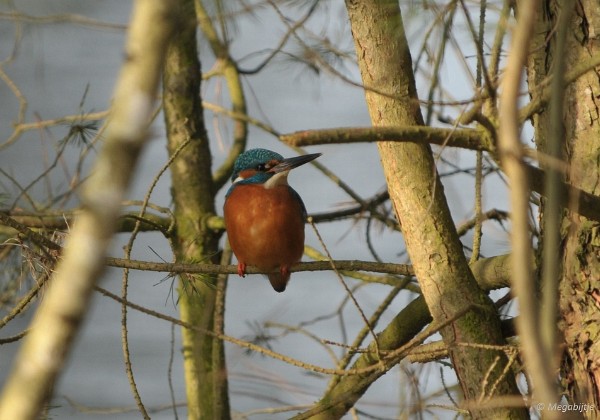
(261, 167)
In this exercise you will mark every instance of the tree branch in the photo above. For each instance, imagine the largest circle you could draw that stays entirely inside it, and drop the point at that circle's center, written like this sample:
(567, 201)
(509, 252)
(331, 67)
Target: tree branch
(470, 139)
(52, 221)
(537, 361)
(466, 138)
(66, 301)
(490, 273)
(341, 265)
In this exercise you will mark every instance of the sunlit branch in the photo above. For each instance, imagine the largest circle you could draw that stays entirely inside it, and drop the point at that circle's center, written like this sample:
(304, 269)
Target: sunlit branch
(60, 314)
(226, 67)
(589, 204)
(537, 361)
(463, 138)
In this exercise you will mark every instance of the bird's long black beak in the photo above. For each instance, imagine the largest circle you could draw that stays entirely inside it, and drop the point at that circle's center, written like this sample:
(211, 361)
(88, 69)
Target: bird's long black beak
(293, 162)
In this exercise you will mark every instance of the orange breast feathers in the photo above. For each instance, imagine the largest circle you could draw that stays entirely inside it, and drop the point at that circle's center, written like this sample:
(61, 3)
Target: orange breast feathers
(265, 226)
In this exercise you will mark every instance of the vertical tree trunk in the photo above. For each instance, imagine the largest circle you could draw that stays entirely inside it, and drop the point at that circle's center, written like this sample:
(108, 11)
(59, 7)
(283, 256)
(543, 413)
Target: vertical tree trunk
(447, 283)
(580, 237)
(579, 285)
(193, 196)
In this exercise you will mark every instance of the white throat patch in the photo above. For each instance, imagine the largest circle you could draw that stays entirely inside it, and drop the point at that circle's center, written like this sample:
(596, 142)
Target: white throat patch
(277, 179)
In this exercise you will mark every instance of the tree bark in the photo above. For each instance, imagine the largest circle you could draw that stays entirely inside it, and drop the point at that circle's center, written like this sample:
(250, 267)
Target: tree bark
(579, 237)
(193, 196)
(580, 283)
(447, 283)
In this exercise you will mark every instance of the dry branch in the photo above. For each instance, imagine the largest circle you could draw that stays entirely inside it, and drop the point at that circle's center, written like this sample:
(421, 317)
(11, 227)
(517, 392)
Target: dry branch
(58, 318)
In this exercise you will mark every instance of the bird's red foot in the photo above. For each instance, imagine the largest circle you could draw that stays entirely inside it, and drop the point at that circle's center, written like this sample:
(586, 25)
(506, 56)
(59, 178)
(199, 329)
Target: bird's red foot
(241, 269)
(285, 271)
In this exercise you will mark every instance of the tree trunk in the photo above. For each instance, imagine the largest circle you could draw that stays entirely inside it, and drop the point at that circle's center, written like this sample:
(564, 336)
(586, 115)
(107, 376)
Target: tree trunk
(579, 238)
(447, 283)
(580, 283)
(193, 196)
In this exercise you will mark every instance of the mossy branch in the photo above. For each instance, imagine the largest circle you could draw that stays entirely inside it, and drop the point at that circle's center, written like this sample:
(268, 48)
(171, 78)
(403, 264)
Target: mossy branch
(227, 68)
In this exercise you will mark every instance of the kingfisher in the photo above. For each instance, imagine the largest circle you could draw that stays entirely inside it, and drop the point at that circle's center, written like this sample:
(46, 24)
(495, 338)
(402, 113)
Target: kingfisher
(264, 216)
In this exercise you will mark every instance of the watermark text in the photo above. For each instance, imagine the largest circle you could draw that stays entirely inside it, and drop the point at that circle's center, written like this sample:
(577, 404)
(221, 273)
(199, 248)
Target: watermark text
(566, 408)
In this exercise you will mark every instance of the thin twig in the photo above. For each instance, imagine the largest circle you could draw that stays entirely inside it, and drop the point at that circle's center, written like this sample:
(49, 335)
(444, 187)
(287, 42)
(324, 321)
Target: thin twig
(350, 294)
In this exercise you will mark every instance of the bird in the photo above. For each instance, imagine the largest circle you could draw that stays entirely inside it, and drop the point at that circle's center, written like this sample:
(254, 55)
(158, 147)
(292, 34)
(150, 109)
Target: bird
(264, 216)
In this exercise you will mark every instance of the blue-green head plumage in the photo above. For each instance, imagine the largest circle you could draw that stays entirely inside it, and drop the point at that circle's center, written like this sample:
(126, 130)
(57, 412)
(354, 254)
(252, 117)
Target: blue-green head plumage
(254, 159)
(258, 166)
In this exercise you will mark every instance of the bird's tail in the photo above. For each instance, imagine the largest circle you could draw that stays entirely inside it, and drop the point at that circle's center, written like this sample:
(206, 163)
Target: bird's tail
(279, 280)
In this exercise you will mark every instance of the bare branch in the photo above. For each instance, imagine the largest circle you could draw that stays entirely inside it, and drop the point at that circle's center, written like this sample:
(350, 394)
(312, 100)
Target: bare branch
(537, 360)
(58, 318)
(464, 138)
